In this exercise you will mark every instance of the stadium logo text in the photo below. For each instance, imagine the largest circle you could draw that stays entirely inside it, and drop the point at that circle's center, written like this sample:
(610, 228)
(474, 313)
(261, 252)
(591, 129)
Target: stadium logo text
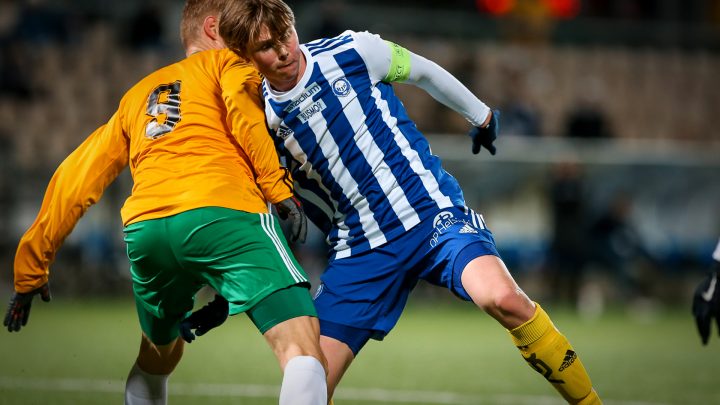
(307, 94)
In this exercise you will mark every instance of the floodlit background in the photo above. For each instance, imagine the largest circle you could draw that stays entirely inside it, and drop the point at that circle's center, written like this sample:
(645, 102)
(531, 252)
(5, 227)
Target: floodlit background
(604, 196)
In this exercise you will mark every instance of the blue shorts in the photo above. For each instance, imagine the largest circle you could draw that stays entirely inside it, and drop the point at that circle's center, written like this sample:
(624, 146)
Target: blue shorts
(361, 297)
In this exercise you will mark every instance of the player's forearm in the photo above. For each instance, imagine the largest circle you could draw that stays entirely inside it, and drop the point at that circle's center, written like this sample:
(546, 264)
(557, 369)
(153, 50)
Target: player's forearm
(448, 90)
(274, 181)
(37, 248)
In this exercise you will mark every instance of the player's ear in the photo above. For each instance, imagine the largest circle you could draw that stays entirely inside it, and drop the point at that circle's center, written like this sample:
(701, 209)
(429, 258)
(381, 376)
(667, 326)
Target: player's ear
(211, 27)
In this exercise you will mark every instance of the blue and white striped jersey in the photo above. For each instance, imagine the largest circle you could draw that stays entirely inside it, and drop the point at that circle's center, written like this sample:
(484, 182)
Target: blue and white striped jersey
(363, 171)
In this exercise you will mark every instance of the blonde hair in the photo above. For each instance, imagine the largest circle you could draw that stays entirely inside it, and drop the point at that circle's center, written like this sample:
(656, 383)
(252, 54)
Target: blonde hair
(193, 16)
(241, 22)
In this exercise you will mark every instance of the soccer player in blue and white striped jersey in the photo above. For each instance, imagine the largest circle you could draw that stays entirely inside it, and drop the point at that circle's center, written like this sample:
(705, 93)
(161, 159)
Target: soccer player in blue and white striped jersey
(367, 178)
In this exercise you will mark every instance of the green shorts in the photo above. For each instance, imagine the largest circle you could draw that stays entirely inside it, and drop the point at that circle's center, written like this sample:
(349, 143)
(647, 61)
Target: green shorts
(243, 256)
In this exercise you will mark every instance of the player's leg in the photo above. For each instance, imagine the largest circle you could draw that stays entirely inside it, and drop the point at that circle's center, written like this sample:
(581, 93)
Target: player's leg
(147, 381)
(361, 298)
(162, 296)
(287, 320)
(463, 257)
(547, 351)
(254, 269)
(339, 357)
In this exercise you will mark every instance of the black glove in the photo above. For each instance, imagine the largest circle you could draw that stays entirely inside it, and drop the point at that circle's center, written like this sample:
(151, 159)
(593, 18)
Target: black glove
(485, 136)
(19, 307)
(210, 316)
(706, 303)
(290, 208)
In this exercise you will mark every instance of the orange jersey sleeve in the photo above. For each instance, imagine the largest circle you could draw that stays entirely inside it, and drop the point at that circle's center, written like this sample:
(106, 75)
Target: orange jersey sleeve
(193, 134)
(193, 145)
(77, 184)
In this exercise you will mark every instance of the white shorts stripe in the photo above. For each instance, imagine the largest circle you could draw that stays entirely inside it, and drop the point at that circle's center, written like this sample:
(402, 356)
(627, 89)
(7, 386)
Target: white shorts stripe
(267, 224)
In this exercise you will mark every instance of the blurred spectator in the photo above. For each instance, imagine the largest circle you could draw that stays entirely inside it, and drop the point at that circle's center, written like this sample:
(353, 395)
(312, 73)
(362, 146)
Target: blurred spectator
(618, 248)
(585, 121)
(41, 24)
(146, 28)
(14, 79)
(8, 199)
(519, 117)
(587, 117)
(568, 255)
(329, 24)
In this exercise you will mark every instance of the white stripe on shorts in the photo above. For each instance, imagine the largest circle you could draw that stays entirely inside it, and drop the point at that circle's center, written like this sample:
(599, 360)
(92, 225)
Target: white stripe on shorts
(267, 224)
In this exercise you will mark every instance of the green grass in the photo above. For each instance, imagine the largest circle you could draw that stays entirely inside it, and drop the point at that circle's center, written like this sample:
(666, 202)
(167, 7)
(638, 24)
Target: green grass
(79, 353)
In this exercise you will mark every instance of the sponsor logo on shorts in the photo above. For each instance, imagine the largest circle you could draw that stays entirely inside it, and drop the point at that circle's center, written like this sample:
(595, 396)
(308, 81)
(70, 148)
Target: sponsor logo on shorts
(444, 221)
(442, 217)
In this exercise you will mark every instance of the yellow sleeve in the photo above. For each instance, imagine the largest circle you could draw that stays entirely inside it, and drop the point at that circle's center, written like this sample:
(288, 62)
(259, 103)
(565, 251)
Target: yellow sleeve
(77, 184)
(245, 116)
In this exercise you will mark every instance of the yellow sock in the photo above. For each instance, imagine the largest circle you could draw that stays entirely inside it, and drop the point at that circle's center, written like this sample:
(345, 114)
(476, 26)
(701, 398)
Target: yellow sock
(549, 353)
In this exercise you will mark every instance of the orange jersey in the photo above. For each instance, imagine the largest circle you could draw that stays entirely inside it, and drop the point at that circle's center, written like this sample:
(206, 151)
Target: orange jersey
(193, 134)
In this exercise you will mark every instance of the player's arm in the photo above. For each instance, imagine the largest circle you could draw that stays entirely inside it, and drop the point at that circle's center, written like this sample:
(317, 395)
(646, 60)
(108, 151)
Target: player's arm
(245, 117)
(390, 62)
(706, 300)
(77, 184)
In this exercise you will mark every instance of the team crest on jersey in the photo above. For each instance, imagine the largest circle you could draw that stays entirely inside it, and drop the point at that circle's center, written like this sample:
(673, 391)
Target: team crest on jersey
(341, 87)
(284, 132)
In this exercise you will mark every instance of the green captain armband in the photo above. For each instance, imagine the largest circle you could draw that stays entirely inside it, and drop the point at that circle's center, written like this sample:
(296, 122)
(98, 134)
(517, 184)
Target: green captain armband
(399, 63)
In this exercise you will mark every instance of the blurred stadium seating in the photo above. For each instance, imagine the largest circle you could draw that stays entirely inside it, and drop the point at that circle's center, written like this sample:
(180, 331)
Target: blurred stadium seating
(653, 81)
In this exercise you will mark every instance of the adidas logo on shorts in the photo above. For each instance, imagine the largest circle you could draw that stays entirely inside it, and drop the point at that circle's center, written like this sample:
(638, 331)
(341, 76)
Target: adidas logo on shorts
(467, 229)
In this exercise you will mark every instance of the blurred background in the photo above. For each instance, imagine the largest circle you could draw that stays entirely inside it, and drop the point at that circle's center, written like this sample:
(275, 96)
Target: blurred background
(605, 189)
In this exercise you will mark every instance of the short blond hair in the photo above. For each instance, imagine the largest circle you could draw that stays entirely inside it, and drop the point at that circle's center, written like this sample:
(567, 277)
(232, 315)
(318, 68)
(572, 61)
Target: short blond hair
(193, 16)
(241, 22)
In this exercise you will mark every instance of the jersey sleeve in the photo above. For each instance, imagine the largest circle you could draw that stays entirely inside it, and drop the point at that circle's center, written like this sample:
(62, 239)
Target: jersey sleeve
(378, 56)
(389, 62)
(246, 119)
(77, 184)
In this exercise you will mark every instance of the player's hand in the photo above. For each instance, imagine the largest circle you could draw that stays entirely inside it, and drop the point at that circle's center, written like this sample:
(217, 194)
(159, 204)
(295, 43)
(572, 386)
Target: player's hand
(18, 310)
(208, 317)
(485, 136)
(706, 304)
(290, 208)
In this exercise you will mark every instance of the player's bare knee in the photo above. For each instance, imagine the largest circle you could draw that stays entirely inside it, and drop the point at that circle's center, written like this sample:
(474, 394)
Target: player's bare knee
(162, 359)
(510, 306)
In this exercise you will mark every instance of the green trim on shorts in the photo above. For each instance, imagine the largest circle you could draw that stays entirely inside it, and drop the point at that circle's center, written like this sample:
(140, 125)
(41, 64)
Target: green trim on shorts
(399, 63)
(282, 305)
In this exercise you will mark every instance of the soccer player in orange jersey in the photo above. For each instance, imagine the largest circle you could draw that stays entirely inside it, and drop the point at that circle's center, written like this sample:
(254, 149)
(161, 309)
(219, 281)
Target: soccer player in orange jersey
(204, 170)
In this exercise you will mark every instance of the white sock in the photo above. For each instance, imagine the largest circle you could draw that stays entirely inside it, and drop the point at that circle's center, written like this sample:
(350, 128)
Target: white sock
(142, 388)
(304, 382)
